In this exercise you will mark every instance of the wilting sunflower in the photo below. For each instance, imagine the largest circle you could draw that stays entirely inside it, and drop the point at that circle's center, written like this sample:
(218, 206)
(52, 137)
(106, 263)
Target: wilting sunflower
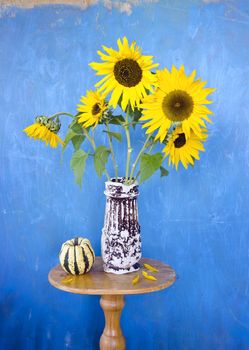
(178, 99)
(45, 129)
(92, 108)
(127, 73)
(181, 148)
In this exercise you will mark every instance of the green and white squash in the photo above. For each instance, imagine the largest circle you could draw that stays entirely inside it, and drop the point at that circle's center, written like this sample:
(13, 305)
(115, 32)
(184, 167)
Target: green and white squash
(77, 256)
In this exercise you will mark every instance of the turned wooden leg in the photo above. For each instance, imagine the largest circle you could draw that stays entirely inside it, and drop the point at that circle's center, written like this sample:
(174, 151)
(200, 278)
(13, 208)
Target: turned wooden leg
(112, 337)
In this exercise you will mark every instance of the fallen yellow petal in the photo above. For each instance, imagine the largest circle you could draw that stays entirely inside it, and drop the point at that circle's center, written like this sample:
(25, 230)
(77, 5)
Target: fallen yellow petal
(149, 277)
(67, 279)
(151, 268)
(135, 280)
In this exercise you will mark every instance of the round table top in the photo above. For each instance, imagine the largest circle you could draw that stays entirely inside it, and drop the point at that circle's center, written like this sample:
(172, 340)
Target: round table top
(98, 282)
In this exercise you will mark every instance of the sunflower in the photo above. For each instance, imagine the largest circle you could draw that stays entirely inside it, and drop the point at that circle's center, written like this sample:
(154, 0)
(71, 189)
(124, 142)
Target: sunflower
(181, 148)
(179, 99)
(127, 73)
(46, 130)
(92, 108)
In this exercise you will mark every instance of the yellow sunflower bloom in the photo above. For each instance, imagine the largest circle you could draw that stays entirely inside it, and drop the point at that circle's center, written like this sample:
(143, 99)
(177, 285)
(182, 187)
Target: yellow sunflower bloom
(92, 108)
(181, 148)
(45, 130)
(178, 99)
(127, 73)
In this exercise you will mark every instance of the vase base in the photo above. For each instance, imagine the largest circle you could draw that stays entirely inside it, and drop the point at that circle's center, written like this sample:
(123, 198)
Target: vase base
(120, 270)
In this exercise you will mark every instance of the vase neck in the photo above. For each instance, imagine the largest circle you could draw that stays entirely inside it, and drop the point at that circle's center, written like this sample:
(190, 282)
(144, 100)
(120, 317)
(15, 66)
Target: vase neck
(117, 189)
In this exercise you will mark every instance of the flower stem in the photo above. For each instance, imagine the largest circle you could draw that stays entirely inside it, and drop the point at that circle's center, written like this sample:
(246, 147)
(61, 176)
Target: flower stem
(129, 149)
(138, 156)
(115, 165)
(151, 147)
(91, 140)
(61, 113)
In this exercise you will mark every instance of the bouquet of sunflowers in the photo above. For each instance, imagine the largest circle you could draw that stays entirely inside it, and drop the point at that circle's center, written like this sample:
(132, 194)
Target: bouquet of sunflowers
(169, 105)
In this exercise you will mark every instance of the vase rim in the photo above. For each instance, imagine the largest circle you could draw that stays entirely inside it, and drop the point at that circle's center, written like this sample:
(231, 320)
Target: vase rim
(113, 182)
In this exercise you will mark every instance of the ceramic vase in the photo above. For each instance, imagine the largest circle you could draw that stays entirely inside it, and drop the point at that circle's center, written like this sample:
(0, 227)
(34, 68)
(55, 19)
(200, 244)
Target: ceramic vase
(121, 240)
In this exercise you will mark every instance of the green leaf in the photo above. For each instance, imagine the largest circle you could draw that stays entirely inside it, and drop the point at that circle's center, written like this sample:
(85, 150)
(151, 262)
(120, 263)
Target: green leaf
(77, 141)
(116, 120)
(70, 134)
(78, 163)
(135, 116)
(100, 159)
(149, 164)
(129, 109)
(163, 171)
(77, 128)
(116, 135)
(120, 100)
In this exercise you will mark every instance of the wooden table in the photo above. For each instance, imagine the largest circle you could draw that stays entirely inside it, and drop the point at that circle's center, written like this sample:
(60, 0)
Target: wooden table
(112, 289)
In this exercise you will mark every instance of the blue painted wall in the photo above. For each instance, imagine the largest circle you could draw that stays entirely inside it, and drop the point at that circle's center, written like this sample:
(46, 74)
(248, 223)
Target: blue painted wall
(197, 221)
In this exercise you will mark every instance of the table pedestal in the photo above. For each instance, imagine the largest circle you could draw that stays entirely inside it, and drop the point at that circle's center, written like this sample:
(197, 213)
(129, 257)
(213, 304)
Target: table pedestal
(112, 337)
(112, 289)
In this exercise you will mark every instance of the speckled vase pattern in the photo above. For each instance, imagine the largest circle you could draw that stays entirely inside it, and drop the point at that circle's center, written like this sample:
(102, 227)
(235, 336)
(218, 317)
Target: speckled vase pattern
(121, 240)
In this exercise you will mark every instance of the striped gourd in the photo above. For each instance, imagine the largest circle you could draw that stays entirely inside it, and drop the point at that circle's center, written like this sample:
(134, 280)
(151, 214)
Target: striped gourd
(77, 256)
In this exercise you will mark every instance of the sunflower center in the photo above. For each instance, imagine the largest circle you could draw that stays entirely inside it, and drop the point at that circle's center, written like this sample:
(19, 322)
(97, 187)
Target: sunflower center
(128, 72)
(180, 141)
(178, 105)
(96, 109)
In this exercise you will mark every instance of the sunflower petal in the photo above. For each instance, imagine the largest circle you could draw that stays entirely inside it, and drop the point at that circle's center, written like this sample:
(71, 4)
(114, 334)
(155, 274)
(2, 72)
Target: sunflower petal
(178, 99)
(150, 268)
(135, 280)
(148, 277)
(134, 86)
